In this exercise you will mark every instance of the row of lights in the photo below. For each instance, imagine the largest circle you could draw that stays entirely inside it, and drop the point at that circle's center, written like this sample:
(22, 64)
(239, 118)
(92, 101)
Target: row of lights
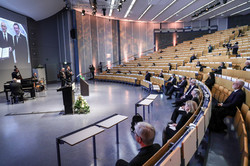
(94, 8)
(120, 5)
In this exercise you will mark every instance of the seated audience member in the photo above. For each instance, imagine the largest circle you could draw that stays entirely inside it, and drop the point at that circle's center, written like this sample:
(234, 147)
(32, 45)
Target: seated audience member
(129, 72)
(193, 57)
(161, 51)
(187, 95)
(160, 57)
(138, 64)
(210, 48)
(219, 69)
(150, 58)
(235, 48)
(161, 74)
(118, 71)
(15, 74)
(171, 81)
(16, 89)
(171, 129)
(198, 64)
(210, 80)
(179, 87)
(144, 135)
(107, 70)
(247, 63)
(153, 64)
(228, 107)
(123, 65)
(180, 110)
(147, 76)
(170, 66)
(139, 72)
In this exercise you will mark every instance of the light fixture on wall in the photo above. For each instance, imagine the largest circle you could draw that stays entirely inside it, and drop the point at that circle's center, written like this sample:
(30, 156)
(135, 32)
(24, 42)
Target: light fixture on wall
(83, 12)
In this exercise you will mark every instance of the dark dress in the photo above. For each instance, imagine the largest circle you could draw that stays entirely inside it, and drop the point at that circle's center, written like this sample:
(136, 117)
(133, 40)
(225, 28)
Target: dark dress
(169, 133)
(210, 83)
(144, 155)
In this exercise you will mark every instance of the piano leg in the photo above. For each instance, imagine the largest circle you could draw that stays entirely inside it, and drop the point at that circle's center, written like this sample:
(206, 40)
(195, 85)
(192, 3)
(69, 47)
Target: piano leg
(7, 96)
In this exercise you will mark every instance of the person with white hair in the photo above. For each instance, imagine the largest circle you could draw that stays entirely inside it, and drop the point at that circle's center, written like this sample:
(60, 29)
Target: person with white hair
(144, 135)
(172, 129)
(228, 107)
(247, 63)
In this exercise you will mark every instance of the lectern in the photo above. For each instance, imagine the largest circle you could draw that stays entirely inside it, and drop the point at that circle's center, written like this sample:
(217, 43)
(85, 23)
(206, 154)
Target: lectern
(84, 87)
(68, 98)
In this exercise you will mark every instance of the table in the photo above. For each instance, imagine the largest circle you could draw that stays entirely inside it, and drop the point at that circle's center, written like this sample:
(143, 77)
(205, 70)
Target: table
(115, 120)
(144, 102)
(77, 137)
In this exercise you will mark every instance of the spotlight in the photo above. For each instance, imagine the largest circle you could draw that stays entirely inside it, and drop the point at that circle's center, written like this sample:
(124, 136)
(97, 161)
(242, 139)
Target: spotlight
(67, 6)
(119, 8)
(120, 3)
(224, 1)
(123, 0)
(83, 12)
(104, 11)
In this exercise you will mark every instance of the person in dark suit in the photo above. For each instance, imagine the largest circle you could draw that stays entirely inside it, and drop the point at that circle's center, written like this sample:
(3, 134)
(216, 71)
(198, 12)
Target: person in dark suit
(92, 71)
(210, 48)
(247, 63)
(193, 57)
(170, 66)
(235, 48)
(187, 95)
(210, 80)
(147, 76)
(16, 89)
(68, 74)
(172, 129)
(16, 74)
(144, 135)
(219, 70)
(180, 87)
(20, 46)
(62, 76)
(228, 107)
(180, 110)
(161, 74)
(170, 82)
(6, 40)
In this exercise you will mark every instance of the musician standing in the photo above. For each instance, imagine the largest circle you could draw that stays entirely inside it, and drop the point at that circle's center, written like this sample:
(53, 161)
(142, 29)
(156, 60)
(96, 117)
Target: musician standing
(69, 75)
(62, 76)
(16, 74)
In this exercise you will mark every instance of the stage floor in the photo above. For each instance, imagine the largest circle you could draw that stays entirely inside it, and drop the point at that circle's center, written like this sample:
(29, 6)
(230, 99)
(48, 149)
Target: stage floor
(31, 139)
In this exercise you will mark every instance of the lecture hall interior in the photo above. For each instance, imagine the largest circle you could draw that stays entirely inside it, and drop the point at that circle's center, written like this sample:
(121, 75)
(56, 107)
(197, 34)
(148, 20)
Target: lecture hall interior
(124, 82)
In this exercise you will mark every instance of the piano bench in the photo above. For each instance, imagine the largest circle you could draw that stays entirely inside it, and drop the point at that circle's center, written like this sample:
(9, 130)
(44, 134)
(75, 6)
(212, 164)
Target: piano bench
(15, 98)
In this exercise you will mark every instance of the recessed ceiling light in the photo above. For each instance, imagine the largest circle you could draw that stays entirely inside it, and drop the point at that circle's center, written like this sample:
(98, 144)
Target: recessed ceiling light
(164, 10)
(145, 12)
(129, 8)
(180, 10)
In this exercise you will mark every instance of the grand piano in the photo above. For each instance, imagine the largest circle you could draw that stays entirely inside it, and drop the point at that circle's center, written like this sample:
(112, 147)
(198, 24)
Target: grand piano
(27, 86)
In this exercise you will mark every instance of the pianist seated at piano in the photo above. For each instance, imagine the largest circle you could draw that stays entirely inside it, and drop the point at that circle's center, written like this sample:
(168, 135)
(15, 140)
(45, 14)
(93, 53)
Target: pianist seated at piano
(16, 74)
(16, 90)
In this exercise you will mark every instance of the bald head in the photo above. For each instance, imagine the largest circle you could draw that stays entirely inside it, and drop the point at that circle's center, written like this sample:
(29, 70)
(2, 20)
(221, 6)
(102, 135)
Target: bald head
(238, 84)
